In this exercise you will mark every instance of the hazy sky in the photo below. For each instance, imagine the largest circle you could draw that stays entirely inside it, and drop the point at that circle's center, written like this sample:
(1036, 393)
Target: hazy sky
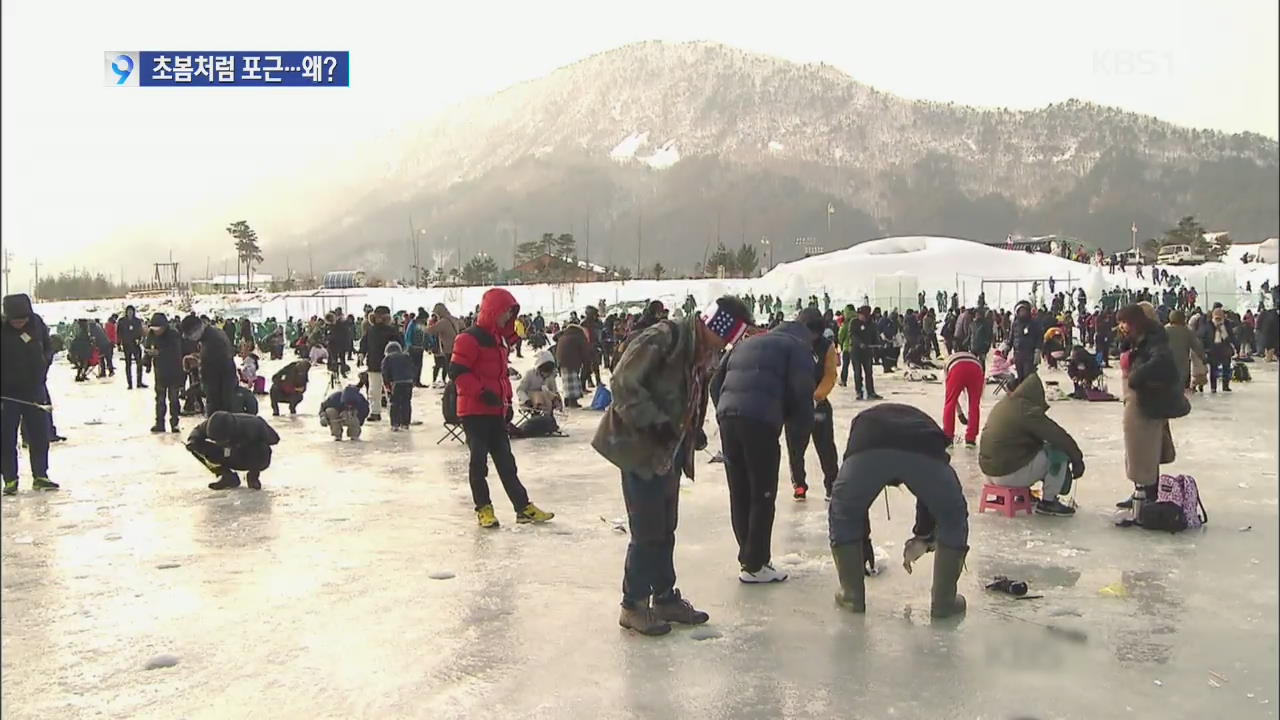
(90, 172)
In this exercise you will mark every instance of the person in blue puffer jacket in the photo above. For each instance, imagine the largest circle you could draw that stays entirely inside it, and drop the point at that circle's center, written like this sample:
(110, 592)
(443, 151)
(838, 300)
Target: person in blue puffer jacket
(763, 383)
(345, 408)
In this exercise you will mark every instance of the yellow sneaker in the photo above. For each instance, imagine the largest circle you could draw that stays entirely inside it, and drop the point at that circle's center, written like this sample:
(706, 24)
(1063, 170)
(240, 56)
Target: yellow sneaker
(531, 514)
(486, 518)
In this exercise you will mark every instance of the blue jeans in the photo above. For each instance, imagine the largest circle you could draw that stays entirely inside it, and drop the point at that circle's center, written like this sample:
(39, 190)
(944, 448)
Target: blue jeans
(652, 509)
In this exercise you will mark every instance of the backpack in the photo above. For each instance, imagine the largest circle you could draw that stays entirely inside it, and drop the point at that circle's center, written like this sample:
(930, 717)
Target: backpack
(1240, 373)
(449, 403)
(1177, 506)
(603, 398)
(536, 426)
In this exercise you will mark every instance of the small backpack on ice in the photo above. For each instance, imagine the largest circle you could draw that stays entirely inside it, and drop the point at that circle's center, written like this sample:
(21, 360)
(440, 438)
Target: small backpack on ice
(1240, 373)
(602, 398)
(1177, 506)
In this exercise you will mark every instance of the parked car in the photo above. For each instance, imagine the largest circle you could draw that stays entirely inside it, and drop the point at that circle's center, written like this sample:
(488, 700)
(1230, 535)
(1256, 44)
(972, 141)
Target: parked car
(1179, 255)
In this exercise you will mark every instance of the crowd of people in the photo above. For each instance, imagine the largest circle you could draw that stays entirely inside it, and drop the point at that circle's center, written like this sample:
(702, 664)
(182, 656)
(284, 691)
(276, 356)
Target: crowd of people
(768, 385)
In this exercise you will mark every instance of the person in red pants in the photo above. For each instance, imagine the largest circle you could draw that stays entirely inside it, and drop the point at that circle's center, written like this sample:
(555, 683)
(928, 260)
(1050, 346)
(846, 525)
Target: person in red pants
(964, 375)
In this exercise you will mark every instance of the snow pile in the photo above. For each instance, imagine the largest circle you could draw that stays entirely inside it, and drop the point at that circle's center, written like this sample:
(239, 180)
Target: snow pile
(1264, 252)
(665, 157)
(775, 146)
(626, 149)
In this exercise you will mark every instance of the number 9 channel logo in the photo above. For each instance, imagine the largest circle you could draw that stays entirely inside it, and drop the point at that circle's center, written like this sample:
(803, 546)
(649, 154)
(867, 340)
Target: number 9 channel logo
(121, 68)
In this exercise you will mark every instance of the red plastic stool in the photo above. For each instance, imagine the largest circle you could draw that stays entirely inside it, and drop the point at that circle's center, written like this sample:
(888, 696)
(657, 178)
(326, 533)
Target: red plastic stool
(1005, 500)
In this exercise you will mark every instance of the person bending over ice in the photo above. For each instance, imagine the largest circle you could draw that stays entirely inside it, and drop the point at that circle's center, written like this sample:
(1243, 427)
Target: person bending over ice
(894, 444)
(288, 385)
(1021, 446)
(228, 442)
(346, 408)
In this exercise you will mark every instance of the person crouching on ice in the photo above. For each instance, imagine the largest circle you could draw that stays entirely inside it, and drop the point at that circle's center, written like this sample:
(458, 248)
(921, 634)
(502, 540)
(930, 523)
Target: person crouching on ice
(346, 408)
(227, 442)
(894, 444)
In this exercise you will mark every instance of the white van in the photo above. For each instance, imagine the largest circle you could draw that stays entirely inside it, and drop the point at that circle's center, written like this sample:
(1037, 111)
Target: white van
(1179, 255)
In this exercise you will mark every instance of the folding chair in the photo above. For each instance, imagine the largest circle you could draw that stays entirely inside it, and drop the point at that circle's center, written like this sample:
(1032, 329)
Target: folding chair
(453, 431)
(1001, 383)
(449, 413)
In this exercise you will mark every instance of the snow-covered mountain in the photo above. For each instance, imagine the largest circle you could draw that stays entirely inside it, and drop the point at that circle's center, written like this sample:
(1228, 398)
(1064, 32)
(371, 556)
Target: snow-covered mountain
(635, 131)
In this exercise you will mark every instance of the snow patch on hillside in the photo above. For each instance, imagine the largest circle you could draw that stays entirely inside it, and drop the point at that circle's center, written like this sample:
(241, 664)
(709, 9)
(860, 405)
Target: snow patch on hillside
(776, 146)
(665, 157)
(626, 149)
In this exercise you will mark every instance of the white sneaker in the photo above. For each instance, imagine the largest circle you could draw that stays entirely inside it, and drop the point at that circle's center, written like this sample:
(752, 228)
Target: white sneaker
(766, 574)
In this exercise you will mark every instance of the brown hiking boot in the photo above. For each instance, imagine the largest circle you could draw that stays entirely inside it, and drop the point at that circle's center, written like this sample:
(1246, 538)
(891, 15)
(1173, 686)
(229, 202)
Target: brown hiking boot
(643, 620)
(677, 609)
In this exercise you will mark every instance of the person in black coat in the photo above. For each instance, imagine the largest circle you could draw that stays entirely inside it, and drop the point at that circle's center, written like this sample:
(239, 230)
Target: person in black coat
(25, 356)
(1218, 336)
(217, 364)
(763, 383)
(80, 349)
(864, 340)
(1025, 339)
(129, 336)
(889, 327)
(374, 346)
(164, 353)
(105, 349)
(338, 341)
(227, 442)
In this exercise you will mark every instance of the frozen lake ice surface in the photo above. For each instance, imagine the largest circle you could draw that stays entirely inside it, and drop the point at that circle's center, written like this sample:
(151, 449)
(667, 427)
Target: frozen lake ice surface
(356, 584)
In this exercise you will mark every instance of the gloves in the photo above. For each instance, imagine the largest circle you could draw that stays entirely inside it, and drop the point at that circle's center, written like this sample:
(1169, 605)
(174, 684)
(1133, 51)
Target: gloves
(1077, 469)
(490, 398)
(701, 442)
(913, 550)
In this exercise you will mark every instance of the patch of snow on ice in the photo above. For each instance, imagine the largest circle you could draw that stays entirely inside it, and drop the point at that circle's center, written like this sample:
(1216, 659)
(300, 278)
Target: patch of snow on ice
(665, 157)
(775, 146)
(626, 149)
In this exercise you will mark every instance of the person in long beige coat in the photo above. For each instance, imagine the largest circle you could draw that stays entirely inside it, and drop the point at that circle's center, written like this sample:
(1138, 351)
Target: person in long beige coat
(1188, 351)
(1152, 394)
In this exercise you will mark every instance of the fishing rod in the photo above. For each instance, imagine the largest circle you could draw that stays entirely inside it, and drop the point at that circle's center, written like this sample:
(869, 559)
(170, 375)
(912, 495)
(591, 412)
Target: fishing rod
(43, 406)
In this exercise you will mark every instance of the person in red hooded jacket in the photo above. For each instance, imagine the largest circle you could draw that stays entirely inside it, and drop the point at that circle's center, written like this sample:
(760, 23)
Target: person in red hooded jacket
(479, 371)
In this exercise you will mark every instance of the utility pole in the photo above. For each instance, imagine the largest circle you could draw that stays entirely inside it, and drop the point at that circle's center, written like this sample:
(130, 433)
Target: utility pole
(413, 251)
(586, 245)
(8, 263)
(311, 266)
(35, 265)
(639, 239)
(1134, 229)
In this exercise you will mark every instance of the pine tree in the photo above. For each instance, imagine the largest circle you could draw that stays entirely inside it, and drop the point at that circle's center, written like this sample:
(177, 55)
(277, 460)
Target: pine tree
(247, 251)
(747, 260)
(722, 258)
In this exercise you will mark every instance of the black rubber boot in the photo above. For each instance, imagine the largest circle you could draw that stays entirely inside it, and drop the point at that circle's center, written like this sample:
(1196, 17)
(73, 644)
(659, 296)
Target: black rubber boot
(947, 565)
(849, 568)
(226, 481)
(253, 481)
